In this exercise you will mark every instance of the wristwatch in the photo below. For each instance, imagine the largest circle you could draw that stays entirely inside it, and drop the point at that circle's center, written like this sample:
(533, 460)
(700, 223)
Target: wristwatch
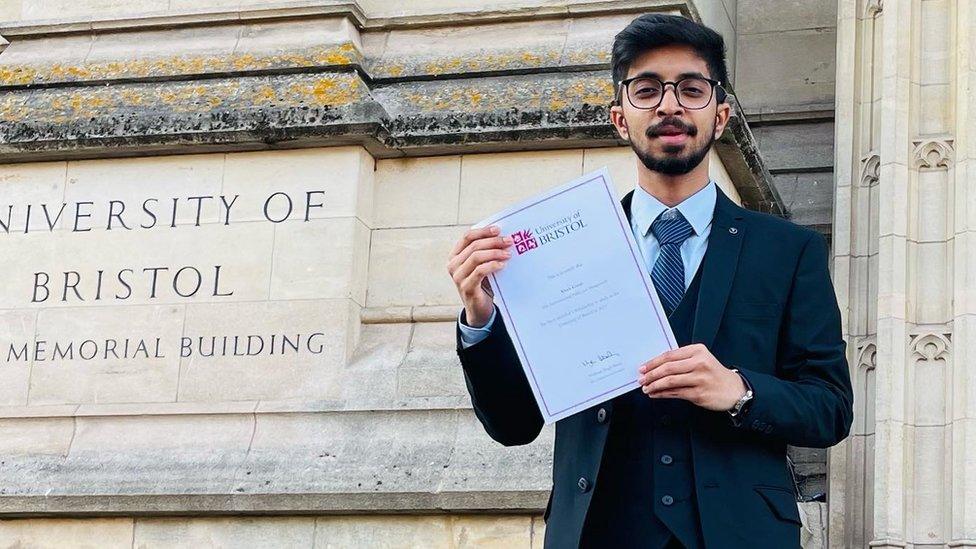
(740, 406)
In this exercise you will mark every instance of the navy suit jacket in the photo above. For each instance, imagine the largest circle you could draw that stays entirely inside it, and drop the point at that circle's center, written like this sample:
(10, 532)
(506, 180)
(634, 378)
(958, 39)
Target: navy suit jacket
(767, 307)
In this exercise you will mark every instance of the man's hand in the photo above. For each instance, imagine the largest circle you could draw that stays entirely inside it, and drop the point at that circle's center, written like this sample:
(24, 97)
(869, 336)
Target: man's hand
(692, 373)
(479, 253)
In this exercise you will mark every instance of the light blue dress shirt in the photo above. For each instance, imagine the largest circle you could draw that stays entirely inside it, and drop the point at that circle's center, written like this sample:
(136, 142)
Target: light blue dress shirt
(644, 209)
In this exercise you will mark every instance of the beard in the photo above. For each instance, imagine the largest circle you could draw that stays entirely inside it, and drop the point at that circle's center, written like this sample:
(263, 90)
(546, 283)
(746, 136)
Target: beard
(675, 165)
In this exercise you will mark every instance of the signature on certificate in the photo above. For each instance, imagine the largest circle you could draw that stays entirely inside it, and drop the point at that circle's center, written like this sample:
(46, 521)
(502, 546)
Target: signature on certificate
(600, 358)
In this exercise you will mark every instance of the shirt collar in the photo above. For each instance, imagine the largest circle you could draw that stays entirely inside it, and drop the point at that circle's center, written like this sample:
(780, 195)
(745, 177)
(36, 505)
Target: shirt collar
(697, 208)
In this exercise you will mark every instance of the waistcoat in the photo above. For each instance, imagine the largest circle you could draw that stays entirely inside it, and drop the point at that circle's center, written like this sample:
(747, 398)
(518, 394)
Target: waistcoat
(645, 491)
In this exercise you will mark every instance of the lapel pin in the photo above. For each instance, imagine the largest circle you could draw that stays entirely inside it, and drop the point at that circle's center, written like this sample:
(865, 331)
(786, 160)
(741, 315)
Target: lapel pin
(733, 230)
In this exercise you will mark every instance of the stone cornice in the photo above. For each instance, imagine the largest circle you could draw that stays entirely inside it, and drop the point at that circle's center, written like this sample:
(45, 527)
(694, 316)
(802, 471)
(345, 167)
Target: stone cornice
(185, 18)
(366, 502)
(320, 74)
(319, 8)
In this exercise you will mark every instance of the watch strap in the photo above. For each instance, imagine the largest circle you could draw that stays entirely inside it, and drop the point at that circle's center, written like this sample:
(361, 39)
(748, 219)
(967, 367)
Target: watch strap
(741, 404)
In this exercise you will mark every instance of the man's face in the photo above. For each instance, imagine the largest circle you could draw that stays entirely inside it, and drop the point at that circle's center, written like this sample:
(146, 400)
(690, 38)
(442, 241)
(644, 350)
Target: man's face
(670, 138)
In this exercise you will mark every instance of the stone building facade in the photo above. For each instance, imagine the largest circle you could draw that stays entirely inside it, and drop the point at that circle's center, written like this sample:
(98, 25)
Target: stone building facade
(225, 317)
(903, 268)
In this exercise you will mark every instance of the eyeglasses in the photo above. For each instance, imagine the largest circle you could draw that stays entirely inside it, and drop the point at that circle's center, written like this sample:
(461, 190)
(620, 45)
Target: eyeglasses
(692, 92)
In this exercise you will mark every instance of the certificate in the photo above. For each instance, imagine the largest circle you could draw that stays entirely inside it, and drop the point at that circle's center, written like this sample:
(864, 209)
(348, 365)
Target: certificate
(576, 296)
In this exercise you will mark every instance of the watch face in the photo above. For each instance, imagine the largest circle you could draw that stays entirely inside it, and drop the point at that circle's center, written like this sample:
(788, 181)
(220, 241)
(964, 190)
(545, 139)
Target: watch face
(745, 402)
(741, 404)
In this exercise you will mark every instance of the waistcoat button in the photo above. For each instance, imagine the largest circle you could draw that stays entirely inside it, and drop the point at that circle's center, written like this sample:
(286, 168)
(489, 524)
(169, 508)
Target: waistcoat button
(601, 415)
(583, 484)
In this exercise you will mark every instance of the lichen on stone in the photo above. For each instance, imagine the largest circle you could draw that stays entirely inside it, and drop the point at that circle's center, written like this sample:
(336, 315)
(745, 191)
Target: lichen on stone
(341, 54)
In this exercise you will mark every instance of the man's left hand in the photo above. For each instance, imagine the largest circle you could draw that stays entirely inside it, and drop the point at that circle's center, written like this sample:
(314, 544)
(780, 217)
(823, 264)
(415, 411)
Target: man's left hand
(692, 373)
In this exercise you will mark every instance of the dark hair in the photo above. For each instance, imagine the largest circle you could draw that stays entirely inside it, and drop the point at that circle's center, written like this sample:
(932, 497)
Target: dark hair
(654, 30)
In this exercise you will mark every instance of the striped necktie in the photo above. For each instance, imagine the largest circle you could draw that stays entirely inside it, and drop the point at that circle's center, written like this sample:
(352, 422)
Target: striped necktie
(668, 274)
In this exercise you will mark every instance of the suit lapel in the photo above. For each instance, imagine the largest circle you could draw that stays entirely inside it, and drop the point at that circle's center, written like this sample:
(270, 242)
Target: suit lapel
(718, 265)
(718, 268)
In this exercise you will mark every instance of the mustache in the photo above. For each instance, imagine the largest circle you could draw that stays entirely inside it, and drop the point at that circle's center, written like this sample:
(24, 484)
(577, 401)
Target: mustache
(672, 122)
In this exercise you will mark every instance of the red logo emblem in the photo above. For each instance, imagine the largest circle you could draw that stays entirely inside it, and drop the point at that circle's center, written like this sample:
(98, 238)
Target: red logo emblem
(524, 241)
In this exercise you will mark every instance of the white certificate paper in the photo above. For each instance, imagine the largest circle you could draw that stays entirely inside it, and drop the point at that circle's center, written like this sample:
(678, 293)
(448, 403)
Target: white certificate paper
(576, 296)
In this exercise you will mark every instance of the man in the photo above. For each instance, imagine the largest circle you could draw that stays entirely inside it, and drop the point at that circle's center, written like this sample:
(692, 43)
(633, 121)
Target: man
(697, 456)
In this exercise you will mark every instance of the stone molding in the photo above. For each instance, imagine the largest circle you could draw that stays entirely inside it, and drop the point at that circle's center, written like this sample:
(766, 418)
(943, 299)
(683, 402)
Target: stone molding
(873, 8)
(870, 170)
(930, 346)
(932, 153)
(275, 11)
(867, 354)
(217, 85)
(362, 503)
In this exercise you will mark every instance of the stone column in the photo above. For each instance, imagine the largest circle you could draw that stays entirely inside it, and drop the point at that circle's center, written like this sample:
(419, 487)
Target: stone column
(902, 269)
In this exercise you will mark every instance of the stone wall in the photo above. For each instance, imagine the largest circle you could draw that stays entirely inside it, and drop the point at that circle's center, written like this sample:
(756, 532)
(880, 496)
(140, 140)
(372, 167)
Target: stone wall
(293, 175)
(904, 269)
(786, 81)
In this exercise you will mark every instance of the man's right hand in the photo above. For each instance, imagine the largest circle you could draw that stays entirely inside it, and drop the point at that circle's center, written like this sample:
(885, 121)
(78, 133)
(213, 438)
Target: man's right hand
(477, 254)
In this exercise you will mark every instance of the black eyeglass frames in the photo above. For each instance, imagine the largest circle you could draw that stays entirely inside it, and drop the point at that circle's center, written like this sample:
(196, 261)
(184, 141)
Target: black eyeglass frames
(647, 92)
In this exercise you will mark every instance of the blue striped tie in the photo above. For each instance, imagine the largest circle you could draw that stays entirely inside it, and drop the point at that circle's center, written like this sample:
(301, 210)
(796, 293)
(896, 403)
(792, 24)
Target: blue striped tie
(671, 229)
